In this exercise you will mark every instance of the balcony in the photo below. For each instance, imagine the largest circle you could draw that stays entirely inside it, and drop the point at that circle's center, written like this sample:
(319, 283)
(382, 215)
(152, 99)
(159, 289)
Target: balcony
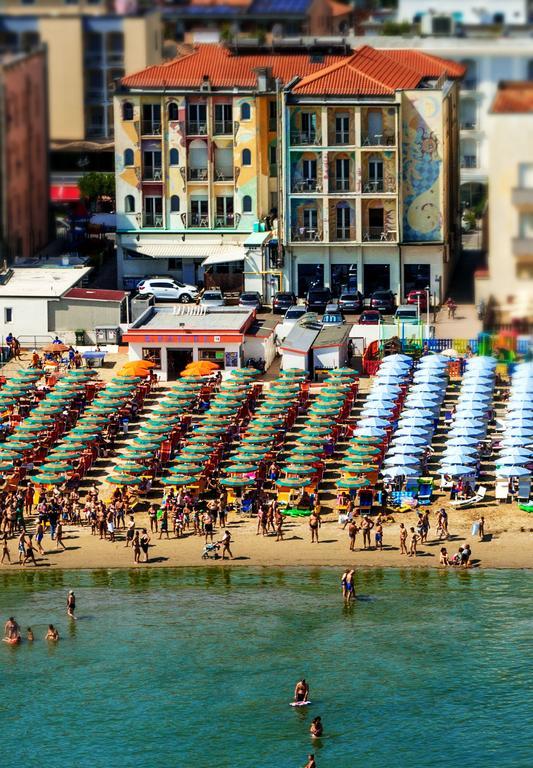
(153, 220)
(523, 248)
(197, 174)
(115, 58)
(152, 173)
(522, 197)
(301, 186)
(305, 138)
(198, 220)
(378, 235)
(468, 125)
(224, 174)
(223, 127)
(340, 185)
(307, 234)
(378, 140)
(151, 128)
(340, 234)
(375, 186)
(196, 128)
(227, 220)
(469, 161)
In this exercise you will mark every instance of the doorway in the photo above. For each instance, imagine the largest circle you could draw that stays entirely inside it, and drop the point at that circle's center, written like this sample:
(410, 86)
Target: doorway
(177, 360)
(376, 278)
(309, 276)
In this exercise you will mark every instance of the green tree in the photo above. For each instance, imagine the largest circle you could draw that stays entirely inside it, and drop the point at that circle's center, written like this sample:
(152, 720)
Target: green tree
(95, 186)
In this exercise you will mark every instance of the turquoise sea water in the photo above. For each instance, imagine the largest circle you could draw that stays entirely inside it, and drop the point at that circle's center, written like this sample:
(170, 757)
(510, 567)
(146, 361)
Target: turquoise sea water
(195, 667)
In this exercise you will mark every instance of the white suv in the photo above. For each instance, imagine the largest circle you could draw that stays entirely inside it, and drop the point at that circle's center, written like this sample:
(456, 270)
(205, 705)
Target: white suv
(166, 288)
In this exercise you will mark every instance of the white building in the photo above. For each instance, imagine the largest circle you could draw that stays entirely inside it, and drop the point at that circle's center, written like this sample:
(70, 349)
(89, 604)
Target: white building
(487, 12)
(488, 61)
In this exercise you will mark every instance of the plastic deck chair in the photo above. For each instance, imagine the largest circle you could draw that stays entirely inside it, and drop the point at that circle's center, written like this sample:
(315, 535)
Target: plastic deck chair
(476, 499)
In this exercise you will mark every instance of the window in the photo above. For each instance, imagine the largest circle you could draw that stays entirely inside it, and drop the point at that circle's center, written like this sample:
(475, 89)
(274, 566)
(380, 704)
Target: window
(246, 157)
(153, 354)
(174, 204)
(344, 216)
(151, 119)
(128, 157)
(174, 157)
(245, 111)
(342, 174)
(8, 314)
(342, 129)
(310, 218)
(199, 212)
(197, 119)
(223, 118)
(309, 170)
(172, 111)
(272, 115)
(530, 69)
(175, 264)
(214, 355)
(247, 204)
(469, 81)
(153, 211)
(526, 225)
(127, 110)
(224, 216)
(273, 159)
(129, 204)
(152, 170)
(525, 176)
(308, 123)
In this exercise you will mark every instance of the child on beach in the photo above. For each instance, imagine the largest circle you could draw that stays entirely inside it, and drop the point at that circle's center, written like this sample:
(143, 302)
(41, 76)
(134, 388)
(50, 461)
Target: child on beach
(415, 538)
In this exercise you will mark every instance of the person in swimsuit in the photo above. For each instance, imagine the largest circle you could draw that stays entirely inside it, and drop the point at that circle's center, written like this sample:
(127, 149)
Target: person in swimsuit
(317, 729)
(39, 534)
(11, 630)
(379, 537)
(444, 559)
(71, 604)
(415, 538)
(310, 762)
(226, 541)
(314, 525)
(136, 546)
(208, 526)
(29, 635)
(349, 587)
(403, 539)
(130, 532)
(29, 552)
(5, 550)
(367, 526)
(352, 533)
(52, 635)
(144, 543)
(301, 691)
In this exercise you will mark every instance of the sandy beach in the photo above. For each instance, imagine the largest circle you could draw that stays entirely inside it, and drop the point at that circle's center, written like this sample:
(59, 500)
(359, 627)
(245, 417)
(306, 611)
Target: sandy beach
(508, 544)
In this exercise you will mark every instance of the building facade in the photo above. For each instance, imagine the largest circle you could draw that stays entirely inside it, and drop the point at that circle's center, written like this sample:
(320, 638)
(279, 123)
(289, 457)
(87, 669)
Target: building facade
(370, 174)
(361, 182)
(24, 214)
(509, 279)
(486, 13)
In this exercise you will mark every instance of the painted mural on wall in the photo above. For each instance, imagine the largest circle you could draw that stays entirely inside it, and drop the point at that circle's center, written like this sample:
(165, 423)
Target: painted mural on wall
(422, 167)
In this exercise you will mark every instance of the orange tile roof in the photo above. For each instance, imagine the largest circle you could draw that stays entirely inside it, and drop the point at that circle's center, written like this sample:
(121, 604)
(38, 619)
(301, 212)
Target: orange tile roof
(375, 72)
(339, 9)
(513, 98)
(224, 68)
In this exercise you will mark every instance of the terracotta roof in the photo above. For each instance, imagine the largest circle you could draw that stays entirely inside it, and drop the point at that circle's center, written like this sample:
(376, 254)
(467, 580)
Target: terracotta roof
(224, 68)
(375, 72)
(97, 294)
(513, 98)
(339, 9)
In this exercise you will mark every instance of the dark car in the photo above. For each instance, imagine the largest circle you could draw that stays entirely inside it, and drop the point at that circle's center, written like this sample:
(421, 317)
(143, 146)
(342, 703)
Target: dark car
(318, 299)
(419, 298)
(282, 301)
(351, 302)
(250, 299)
(384, 301)
(370, 317)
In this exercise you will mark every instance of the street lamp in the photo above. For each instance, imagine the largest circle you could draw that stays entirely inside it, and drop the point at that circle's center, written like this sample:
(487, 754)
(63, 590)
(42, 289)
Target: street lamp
(428, 301)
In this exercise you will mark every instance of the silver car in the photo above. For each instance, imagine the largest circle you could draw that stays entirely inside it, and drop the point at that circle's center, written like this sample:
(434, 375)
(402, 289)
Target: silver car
(212, 299)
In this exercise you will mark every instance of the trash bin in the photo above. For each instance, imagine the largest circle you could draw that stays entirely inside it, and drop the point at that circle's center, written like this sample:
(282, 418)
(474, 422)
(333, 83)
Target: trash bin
(80, 337)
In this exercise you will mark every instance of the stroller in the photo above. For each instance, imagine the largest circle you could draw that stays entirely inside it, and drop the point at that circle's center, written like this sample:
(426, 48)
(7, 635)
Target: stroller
(210, 551)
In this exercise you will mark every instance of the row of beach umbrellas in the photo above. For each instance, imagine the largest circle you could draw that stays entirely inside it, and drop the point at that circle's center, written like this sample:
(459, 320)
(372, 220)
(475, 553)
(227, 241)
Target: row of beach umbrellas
(515, 454)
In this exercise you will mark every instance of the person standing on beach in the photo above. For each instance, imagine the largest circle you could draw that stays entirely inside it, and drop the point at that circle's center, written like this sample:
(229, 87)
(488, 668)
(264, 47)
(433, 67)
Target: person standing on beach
(5, 550)
(314, 525)
(130, 532)
(145, 543)
(30, 555)
(366, 527)
(352, 533)
(226, 541)
(71, 604)
(481, 528)
(379, 537)
(415, 538)
(279, 525)
(208, 526)
(136, 546)
(403, 539)
(59, 535)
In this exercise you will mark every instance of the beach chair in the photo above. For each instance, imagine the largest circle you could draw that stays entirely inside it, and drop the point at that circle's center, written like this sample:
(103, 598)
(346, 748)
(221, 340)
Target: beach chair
(425, 490)
(476, 499)
(365, 501)
(501, 491)
(524, 488)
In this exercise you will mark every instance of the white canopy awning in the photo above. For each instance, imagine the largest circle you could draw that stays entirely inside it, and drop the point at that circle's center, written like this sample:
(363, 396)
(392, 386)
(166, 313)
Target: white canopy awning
(211, 252)
(224, 256)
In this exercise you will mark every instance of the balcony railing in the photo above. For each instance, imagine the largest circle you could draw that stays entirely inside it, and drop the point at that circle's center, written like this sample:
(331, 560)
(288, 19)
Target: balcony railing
(115, 58)
(224, 174)
(196, 128)
(345, 233)
(523, 247)
(378, 185)
(340, 185)
(342, 137)
(305, 138)
(223, 127)
(378, 234)
(309, 234)
(225, 221)
(198, 220)
(151, 128)
(468, 125)
(469, 161)
(306, 185)
(152, 173)
(522, 196)
(197, 174)
(152, 220)
(379, 140)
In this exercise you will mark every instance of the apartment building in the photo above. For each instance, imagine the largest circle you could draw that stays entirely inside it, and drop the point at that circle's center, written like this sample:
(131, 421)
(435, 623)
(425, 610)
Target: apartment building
(509, 278)
(89, 48)
(197, 167)
(349, 162)
(23, 155)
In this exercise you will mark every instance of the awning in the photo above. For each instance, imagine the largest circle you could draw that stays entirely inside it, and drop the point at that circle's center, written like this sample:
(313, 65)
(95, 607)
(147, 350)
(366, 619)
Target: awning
(256, 239)
(189, 250)
(64, 193)
(237, 254)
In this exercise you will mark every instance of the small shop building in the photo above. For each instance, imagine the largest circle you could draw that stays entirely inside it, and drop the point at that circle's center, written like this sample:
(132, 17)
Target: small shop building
(315, 347)
(174, 336)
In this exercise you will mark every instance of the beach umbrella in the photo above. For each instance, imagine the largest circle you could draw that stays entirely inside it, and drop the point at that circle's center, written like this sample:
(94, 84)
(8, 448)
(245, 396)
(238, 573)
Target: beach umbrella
(359, 449)
(187, 469)
(510, 441)
(353, 483)
(399, 440)
(463, 450)
(130, 468)
(293, 482)
(310, 440)
(360, 468)
(123, 479)
(308, 450)
(512, 461)
(411, 431)
(47, 479)
(237, 482)
(55, 466)
(461, 440)
(373, 422)
(13, 443)
(247, 373)
(198, 451)
(369, 411)
(179, 480)
(243, 458)
(403, 459)
(210, 429)
(6, 454)
(314, 431)
(415, 421)
(262, 429)
(518, 431)
(456, 470)
(369, 432)
(406, 450)
(336, 372)
(241, 469)
(514, 471)
(405, 471)
(298, 470)
(302, 459)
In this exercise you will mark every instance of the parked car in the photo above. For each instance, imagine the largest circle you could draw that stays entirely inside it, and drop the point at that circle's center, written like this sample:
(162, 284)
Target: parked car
(293, 314)
(250, 299)
(351, 302)
(370, 317)
(213, 298)
(407, 313)
(282, 301)
(333, 315)
(168, 289)
(318, 299)
(384, 301)
(418, 298)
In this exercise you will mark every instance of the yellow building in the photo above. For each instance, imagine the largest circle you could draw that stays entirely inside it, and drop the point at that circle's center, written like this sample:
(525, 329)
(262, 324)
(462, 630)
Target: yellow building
(509, 279)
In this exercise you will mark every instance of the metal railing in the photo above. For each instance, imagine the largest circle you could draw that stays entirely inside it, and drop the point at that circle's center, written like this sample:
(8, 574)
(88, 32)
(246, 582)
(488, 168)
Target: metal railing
(151, 128)
(468, 125)
(308, 234)
(345, 233)
(305, 138)
(197, 174)
(224, 174)
(342, 137)
(340, 185)
(223, 127)
(196, 128)
(306, 185)
(379, 140)
(469, 161)
(198, 220)
(152, 173)
(378, 234)
(152, 219)
(225, 221)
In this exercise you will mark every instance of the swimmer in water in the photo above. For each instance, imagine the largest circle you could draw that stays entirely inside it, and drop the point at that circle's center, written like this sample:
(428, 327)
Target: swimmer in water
(71, 604)
(52, 635)
(317, 729)
(29, 635)
(349, 587)
(310, 762)
(11, 630)
(301, 691)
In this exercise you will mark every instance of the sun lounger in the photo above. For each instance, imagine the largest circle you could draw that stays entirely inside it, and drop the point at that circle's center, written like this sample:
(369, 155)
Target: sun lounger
(478, 496)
